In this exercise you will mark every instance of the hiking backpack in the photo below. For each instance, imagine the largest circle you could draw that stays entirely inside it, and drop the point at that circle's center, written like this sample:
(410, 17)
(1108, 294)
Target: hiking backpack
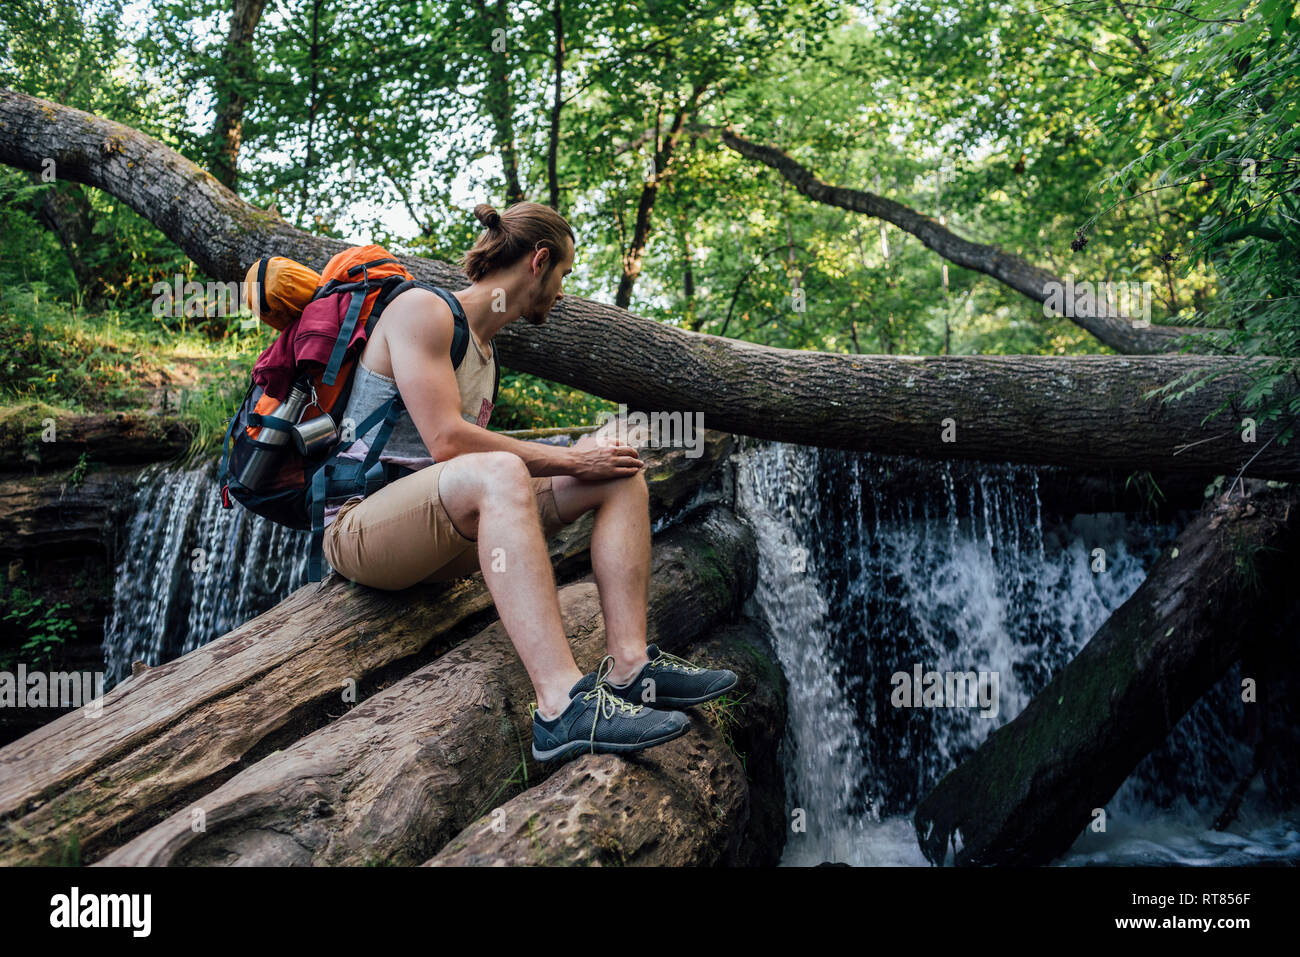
(356, 286)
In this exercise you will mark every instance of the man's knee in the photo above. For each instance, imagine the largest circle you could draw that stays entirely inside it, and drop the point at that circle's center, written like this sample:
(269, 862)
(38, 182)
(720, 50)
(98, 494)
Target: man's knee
(504, 476)
(478, 478)
(636, 485)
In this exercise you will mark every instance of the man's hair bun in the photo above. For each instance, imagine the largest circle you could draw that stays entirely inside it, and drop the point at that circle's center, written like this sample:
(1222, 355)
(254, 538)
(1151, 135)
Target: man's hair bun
(520, 231)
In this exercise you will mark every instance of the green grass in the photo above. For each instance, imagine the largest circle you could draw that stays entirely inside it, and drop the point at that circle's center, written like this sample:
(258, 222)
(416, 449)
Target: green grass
(57, 353)
(54, 356)
(722, 714)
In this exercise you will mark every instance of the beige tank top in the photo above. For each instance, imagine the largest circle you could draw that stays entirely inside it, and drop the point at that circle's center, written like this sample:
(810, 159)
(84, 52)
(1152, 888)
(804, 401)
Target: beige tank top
(475, 377)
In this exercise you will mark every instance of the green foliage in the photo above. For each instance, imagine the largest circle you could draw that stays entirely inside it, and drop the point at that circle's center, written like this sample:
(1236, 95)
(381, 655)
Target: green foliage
(78, 474)
(39, 626)
(529, 402)
(209, 407)
(55, 352)
(1246, 558)
(722, 714)
(1105, 142)
(50, 353)
(1236, 83)
(120, 253)
(1146, 486)
(70, 852)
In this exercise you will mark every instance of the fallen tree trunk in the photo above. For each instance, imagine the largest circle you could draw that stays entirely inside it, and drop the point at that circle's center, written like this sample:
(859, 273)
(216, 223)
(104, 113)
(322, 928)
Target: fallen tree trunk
(1121, 333)
(177, 731)
(1085, 411)
(685, 803)
(1028, 791)
(395, 778)
(34, 437)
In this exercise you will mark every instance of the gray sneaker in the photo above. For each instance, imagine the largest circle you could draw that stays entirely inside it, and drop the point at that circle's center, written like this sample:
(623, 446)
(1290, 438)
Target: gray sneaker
(667, 681)
(599, 722)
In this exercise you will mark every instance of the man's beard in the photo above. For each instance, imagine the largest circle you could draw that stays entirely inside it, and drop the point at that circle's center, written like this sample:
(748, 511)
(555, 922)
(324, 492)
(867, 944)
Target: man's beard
(534, 317)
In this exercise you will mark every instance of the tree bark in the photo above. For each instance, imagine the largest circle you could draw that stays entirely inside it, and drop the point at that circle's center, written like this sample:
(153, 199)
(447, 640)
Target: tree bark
(395, 778)
(1121, 334)
(687, 803)
(237, 61)
(1082, 412)
(176, 732)
(1029, 790)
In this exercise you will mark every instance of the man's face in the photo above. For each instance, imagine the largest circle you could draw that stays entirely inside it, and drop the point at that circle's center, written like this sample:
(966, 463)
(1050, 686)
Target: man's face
(549, 290)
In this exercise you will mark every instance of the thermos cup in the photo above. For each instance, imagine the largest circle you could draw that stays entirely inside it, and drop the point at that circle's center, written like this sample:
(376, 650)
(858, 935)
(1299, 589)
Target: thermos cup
(315, 436)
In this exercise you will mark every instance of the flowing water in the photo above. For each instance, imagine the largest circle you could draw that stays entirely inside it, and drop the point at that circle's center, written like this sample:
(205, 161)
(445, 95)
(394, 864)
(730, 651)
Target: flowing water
(191, 570)
(962, 573)
(861, 578)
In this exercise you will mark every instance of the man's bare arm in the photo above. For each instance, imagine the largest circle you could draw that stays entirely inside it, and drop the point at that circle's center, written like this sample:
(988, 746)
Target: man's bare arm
(541, 459)
(419, 328)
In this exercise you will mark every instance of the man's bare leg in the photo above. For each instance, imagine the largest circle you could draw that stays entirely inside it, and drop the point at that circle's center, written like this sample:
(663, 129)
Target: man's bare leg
(620, 555)
(488, 497)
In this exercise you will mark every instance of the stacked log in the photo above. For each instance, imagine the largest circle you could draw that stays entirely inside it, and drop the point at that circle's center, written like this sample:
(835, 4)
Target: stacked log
(394, 779)
(92, 780)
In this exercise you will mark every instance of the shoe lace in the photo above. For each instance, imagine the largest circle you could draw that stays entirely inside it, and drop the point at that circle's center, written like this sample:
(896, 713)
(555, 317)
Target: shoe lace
(665, 660)
(607, 703)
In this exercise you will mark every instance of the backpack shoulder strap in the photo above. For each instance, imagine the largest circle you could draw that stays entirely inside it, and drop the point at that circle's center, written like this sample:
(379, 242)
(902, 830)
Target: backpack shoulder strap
(460, 338)
(461, 341)
(460, 331)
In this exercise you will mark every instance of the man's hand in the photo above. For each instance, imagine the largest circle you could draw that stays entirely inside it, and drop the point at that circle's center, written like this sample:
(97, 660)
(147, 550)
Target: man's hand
(606, 461)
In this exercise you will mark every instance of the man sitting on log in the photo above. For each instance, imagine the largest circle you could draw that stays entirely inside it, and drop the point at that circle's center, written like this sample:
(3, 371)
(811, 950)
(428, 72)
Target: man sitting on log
(479, 499)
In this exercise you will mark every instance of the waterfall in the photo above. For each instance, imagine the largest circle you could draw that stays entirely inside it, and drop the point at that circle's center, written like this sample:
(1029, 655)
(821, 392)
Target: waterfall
(861, 580)
(191, 570)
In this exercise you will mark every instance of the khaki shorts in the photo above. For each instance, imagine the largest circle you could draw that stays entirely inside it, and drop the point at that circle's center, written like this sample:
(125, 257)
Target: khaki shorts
(402, 534)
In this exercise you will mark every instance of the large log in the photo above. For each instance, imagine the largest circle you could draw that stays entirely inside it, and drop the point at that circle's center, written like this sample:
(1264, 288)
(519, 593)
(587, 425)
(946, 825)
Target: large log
(1029, 790)
(34, 437)
(1086, 411)
(690, 802)
(395, 778)
(177, 731)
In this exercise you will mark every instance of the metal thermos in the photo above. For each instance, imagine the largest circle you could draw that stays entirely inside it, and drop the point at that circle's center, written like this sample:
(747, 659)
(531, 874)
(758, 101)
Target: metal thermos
(264, 462)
